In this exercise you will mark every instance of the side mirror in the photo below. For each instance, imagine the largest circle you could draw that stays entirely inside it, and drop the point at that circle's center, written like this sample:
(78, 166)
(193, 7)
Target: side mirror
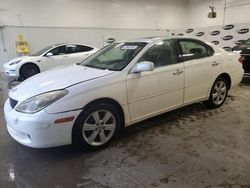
(143, 66)
(49, 54)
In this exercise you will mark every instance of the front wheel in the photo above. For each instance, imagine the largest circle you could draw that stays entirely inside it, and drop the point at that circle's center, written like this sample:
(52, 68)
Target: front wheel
(28, 70)
(218, 93)
(96, 126)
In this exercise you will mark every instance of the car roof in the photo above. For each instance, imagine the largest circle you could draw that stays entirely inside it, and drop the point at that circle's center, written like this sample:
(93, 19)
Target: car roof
(159, 38)
(60, 44)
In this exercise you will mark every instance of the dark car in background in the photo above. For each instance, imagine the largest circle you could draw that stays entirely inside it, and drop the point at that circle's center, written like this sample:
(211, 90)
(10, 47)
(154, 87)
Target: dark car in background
(244, 50)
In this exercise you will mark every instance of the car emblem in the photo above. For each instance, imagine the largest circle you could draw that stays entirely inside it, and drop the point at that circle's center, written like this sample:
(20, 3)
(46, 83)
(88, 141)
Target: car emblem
(227, 48)
(215, 42)
(243, 31)
(180, 34)
(228, 27)
(214, 33)
(228, 37)
(239, 42)
(189, 30)
(200, 34)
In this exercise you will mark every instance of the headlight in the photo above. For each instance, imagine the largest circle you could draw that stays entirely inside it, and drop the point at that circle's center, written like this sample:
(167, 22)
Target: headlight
(39, 102)
(15, 62)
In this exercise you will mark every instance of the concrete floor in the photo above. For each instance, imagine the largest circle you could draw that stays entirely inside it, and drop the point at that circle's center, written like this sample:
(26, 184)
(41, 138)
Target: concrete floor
(190, 147)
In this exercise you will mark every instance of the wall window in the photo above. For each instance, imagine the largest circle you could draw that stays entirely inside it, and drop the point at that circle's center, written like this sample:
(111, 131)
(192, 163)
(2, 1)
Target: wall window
(161, 54)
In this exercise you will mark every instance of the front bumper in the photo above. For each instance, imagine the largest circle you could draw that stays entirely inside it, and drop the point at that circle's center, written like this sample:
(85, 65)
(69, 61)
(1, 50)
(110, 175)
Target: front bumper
(247, 74)
(10, 70)
(38, 130)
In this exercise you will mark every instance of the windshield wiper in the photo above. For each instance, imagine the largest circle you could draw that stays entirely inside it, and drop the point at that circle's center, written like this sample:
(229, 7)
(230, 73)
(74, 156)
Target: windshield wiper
(91, 66)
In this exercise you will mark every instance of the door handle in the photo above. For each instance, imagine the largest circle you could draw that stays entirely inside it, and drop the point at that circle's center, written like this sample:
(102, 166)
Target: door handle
(65, 56)
(215, 63)
(177, 72)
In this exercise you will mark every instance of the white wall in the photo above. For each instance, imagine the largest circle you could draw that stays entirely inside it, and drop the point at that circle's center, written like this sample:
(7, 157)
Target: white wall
(139, 14)
(44, 22)
(237, 11)
(217, 34)
(40, 37)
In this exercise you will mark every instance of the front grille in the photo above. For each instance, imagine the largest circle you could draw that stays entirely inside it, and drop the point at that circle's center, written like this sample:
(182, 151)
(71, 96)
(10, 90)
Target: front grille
(13, 103)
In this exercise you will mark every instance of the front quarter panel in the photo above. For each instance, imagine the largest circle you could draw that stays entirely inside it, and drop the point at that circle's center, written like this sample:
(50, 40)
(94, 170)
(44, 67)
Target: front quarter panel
(29, 59)
(112, 86)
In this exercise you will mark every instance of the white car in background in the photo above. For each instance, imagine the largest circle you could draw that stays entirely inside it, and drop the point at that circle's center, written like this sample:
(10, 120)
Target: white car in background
(123, 83)
(58, 55)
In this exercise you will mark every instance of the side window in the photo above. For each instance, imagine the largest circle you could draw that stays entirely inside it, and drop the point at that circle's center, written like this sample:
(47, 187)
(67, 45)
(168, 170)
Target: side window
(70, 49)
(81, 48)
(161, 54)
(194, 50)
(58, 50)
(210, 51)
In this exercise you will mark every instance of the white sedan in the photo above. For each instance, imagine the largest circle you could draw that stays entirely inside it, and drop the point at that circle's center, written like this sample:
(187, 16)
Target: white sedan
(120, 85)
(58, 55)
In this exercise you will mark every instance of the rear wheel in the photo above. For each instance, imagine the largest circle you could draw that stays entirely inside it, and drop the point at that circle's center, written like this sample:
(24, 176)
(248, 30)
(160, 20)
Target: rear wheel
(218, 93)
(96, 126)
(28, 70)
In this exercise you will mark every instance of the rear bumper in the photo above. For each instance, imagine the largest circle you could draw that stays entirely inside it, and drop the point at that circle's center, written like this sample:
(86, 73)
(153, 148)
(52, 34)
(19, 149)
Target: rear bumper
(246, 74)
(246, 63)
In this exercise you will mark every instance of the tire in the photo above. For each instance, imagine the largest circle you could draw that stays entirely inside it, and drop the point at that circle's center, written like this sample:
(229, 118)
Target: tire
(28, 70)
(96, 126)
(218, 93)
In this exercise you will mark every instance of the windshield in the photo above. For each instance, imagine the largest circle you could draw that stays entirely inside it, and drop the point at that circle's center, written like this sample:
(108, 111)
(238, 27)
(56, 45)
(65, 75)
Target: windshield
(40, 52)
(247, 42)
(115, 56)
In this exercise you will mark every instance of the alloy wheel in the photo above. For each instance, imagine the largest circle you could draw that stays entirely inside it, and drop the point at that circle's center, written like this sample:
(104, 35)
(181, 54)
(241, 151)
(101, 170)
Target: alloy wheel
(30, 72)
(219, 92)
(99, 127)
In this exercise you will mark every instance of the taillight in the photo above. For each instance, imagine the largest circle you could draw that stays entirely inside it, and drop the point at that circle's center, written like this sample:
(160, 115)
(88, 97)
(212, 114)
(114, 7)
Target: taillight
(241, 60)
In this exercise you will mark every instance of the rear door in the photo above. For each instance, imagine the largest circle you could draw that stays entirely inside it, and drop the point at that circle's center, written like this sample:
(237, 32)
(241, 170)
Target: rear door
(202, 66)
(59, 58)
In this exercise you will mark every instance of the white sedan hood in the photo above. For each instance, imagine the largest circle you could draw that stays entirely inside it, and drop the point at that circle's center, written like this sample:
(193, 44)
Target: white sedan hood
(54, 80)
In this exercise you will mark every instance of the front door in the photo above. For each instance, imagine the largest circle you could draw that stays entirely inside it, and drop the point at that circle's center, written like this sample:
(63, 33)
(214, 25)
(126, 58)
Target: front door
(151, 93)
(59, 58)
